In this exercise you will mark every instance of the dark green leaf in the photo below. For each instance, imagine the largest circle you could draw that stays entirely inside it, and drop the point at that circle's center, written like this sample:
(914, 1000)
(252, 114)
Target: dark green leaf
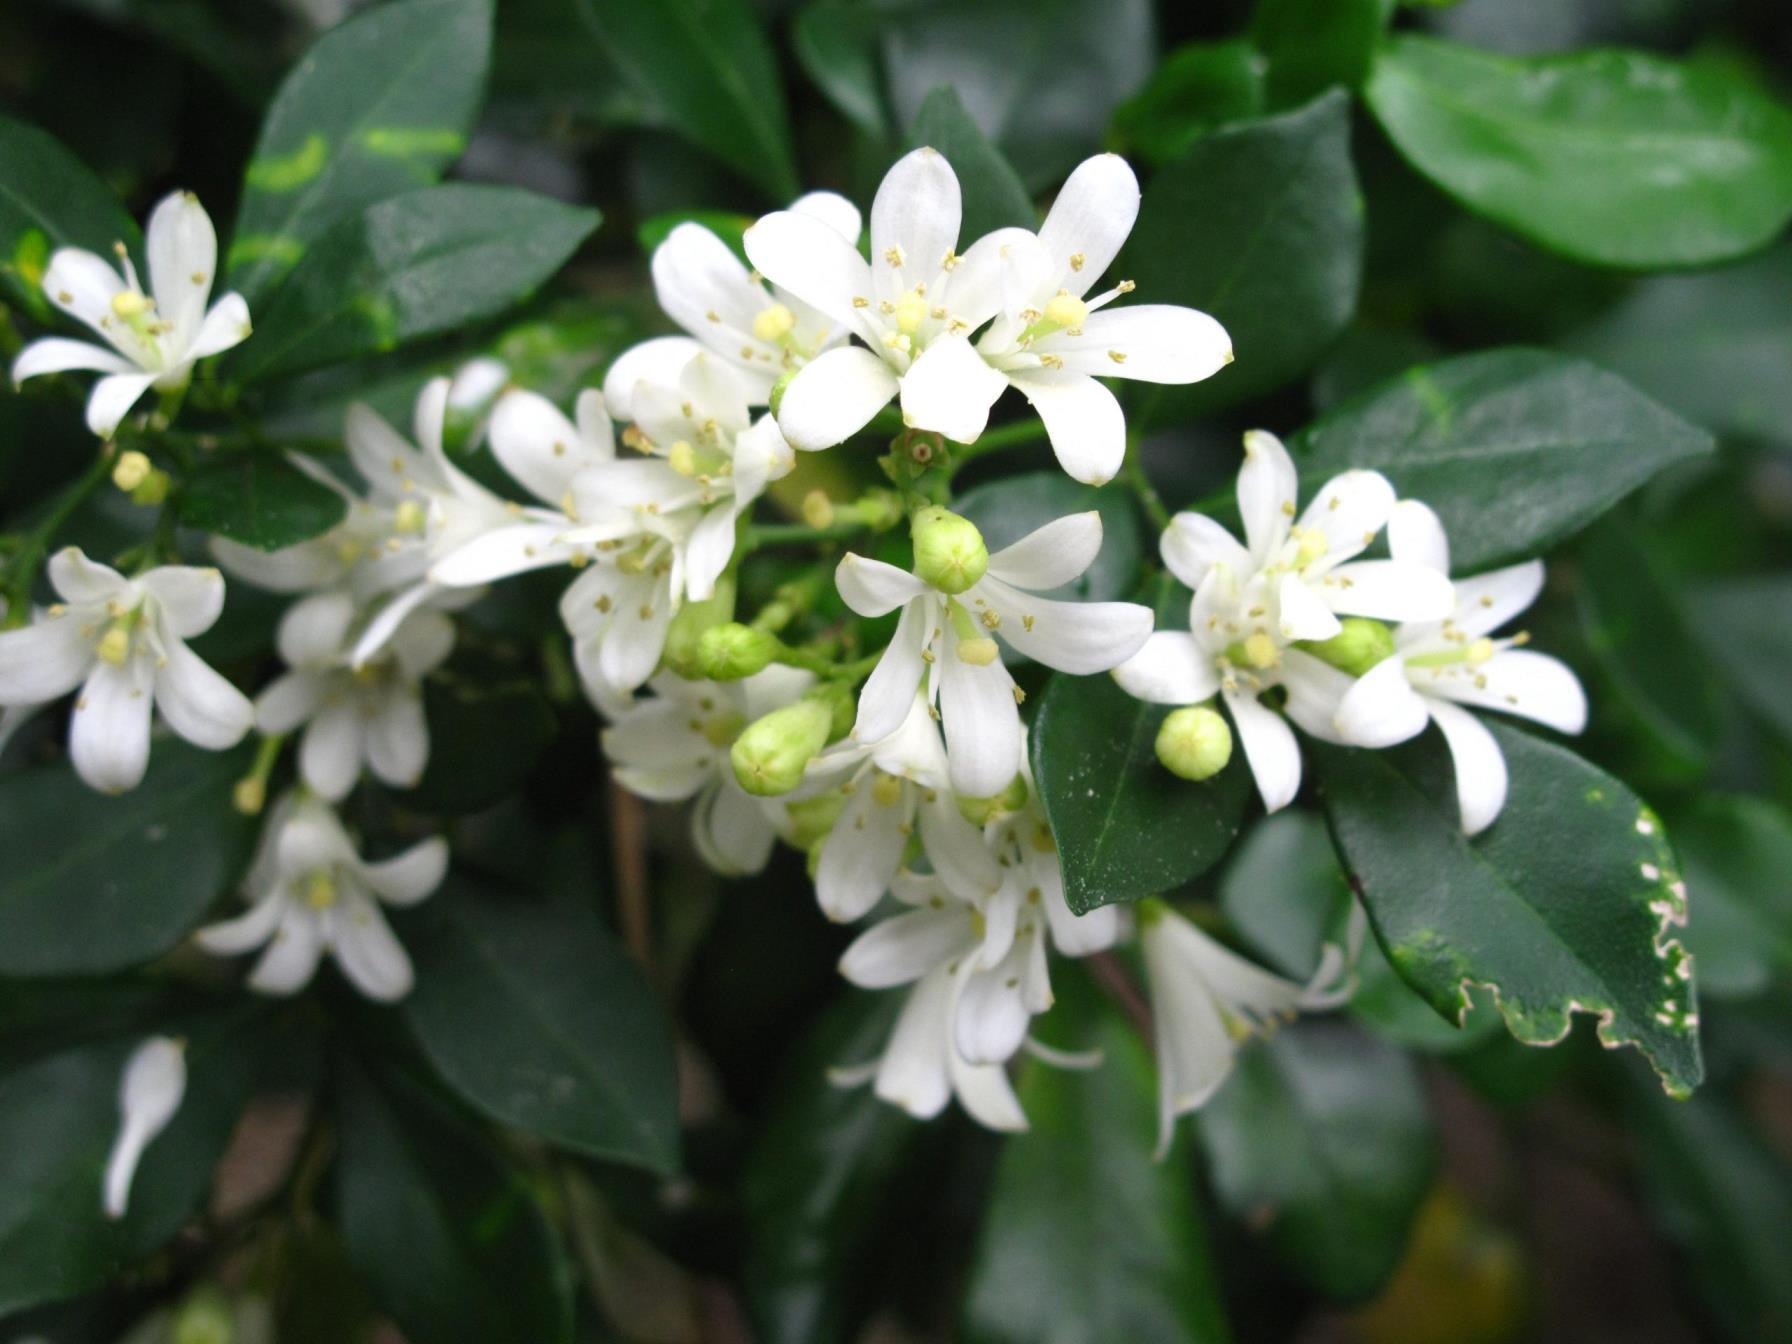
(707, 69)
(1314, 44)
(1515, 449)
(259, 499)
(378, 105)
(534, 1015)
(1259, 224)
(95, 883)
(1635, 622)
(1125, 826)
(817, 1180)
(1198, 87)
(58, 1119)
(450, 1239)
(49, 199)
(1617, 158)
(424, 262)
(1322, 1139)
(1569, 903)
(729, 227)
(1737, 852)
(1008, 509)
(483, 743)
(994, 197)
(1747, 627)
(1087, 1239)
(836, 43)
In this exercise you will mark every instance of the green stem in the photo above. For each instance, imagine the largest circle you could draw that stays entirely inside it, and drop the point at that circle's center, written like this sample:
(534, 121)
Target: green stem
(22, 571)
(786, 534)
(1133, 470)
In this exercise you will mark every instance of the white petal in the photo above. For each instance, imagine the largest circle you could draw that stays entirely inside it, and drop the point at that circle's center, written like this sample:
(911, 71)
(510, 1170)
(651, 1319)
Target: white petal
(1301, 613)
(861, 854)
(986, 1094)
(913, 1073)
(917, 211)
(1090, 219)
(1416, 535)
(330, 752)
(368, 952)
(949, 390)
(1316, 692)
(1390, 590)
(502, 553)
(409, 877)
(183, 262)
(705, 288)
(1270, 748)
(888, 697)
(227, 325)
(1513, 681)
(991, 1018)
(984, 741)
(1487, 601)
(395, 738)
(595, 430)
(1193, 542)
(1382, 708)
(1076, 637)
(956, 848)
(1170, 668)
(1267, 485)
(291, 959)
(873, 588)
(1075, 935)
(1348, 511)
(108, 738)
(246, 932)
(906, 947)
(57, 354)
(732, 833)
(838, 213)
(632, 647)
(1083, 419)
(708, 551)
(292, 569)
(429, 417)
(422, 643)
(540, 448)
(83, 285)
(44, 660)
(808, 258)
(79, 581)
(834, 396)
(287, 701)
(1002, 272)
(388, 619)
(197, 702)
(1147, 342)
(191, 599)
(1480, 766)
(1050, 556)
(656, 361)
(155, 1080)
(112, 398)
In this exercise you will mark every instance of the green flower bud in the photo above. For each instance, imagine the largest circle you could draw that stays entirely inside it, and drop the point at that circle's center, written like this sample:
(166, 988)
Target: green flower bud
(204, 1318)
(1356, 648)
(1194, 742)
(980, 811)
(813, 818)
(879, 509)
(777, 395)
(949, 550)
(769, 757)
(686, 632)
(732, 651)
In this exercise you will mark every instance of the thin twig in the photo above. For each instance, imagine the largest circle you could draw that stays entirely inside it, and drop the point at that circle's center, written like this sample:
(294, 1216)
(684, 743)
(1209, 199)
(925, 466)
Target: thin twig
(628, 835)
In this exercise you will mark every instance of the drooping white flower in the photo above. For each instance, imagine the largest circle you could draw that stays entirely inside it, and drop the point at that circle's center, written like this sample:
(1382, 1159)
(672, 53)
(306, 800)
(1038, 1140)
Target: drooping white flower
(1253, 603)
(123, 642)
(310, 893)
(896, 791)
(13, 717)
(370, 715)
(673, 745)
(949, 639)
(1440, 665)
(1206, 1000)
(149, 1094)
(1053, 343)
(915, 304)
(725, 308)
(155, 337)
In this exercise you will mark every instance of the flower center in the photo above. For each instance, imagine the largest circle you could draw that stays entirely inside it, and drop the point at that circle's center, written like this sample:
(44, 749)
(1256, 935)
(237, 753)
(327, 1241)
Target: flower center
(320, 889)
(115, 645)
(1472, 653)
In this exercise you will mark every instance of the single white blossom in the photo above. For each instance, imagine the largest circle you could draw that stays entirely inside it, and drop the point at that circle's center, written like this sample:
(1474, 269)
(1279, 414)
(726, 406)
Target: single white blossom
(951, 639)
(370, 715)
(1053, 343)
(149, 1094)
(311, 893)
(13, 717)
(1254, 603)
(123, 642)
(155, 337)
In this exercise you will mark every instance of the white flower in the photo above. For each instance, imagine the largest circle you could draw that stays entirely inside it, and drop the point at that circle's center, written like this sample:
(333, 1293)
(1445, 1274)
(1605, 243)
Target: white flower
(13, 717)
(155, 337)
(318, 562)
(123, 642)
(372, 714)
(1205, 1001)
(673, 745)
(1052, 342)
(704, 288)
(915, 305)
(949, 638)
(149, 1094)
(310, 893)
(895, 788)
(1252, 605)
(1442, 664)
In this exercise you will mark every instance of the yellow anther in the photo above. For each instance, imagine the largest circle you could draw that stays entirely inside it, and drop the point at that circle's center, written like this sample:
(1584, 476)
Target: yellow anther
(1066, 310)
(978, 652)
(887, 790)
(132, 470)
(774, 324)
(409, 519)
(911, 311)
(682, 458)
(1260, 651)
(320, 890)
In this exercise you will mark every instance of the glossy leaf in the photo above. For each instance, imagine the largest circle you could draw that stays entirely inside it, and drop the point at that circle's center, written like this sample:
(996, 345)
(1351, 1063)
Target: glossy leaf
(1747, 627)
(1315, 44)
(532, 1013)
(95, 883)
(1086, 1238)
(1617, 158)
(1571, 901)
(49, 199)
(483, 741)
(993, 194)
(414, 265)
(1322, 1141)
(450, 1239)
(378, 105)
(818, 1178)
(58, 1118)
(1125, 826)
(1259, 224)
(1197, 87)
(1515, 449)
(1007, 510)
(1737, 852)
(259, 499)
(706, 68)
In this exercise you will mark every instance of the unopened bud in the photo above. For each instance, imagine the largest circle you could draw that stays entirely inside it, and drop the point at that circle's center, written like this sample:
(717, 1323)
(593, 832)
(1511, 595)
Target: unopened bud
(878, 509)
(980, 811)
(153, 489)
(731, 651)
(250, 795)
(1359, 646)
(949, 550)
(685, 634)
(1194, 742)
(204, 1318)
(770, 756)
(776, 398)
(818, 509)
(133, 468)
